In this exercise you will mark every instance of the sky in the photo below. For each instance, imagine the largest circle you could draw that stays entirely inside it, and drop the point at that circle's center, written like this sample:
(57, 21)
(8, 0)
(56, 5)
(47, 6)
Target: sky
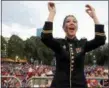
(24, 17)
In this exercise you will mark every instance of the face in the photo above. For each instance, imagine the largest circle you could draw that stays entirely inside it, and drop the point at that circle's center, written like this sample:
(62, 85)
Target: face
(70, 26)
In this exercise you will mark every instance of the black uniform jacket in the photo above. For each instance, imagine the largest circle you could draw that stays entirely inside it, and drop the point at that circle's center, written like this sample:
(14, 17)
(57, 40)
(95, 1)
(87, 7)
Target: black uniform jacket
(70, 55)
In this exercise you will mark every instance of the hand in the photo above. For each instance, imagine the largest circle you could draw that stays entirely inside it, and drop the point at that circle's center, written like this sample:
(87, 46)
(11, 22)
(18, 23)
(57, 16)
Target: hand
(91, 11)
(51, 7)
(52, 10)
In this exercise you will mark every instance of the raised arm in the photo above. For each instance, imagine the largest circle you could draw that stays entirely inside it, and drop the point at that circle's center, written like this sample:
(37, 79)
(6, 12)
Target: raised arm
(52, 11)
(99, 31)
(46, 35)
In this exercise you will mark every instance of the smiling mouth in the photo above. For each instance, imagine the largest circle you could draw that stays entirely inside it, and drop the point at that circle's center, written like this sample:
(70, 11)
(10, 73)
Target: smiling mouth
(71, 28)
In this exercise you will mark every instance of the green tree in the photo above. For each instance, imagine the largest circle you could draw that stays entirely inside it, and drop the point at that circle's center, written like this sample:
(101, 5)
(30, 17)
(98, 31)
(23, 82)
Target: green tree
(89, 58)
(3, 47)
(45, 54)
(31, 46)
(35, 49)
(101, 55)
(15, 47)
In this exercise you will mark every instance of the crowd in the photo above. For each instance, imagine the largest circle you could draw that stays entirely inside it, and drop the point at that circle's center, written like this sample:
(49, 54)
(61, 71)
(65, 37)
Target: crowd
(24, 71)
(98, 71)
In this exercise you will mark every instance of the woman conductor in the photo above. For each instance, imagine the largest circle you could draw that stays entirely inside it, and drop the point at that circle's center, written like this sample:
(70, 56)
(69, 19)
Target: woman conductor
(70, 52)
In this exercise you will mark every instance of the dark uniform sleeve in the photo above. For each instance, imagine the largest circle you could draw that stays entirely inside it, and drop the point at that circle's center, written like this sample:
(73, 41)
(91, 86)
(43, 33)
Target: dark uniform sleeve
(47, 37)
(98, 40)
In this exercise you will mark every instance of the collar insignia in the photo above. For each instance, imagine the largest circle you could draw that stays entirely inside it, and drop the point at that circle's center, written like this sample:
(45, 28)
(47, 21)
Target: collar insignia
(78, 50)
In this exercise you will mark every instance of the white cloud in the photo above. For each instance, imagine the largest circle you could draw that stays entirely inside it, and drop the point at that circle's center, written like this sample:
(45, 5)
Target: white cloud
(63, 8)
(22, 31)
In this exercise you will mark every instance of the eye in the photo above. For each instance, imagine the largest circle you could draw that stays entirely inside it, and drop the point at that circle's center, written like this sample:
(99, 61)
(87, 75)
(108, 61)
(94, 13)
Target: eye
(74, 21)
(67, 21)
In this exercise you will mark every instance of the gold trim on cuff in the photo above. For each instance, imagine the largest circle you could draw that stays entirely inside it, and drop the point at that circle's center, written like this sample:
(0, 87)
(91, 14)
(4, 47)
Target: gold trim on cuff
(100, 34)
(47, 31)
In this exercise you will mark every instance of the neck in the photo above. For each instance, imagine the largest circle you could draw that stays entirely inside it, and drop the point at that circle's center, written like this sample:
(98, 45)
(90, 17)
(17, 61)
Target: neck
(70, 37)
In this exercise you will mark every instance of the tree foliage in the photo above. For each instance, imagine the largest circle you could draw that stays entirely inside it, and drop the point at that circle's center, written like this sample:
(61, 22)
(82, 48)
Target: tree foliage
(34, 48)
(101, 55)
(3, 47)
(15, 47)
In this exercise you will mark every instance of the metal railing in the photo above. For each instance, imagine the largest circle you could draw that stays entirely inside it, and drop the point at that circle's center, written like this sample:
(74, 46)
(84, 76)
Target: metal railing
(39, 82)
(98, 78)
(12, 80)
(44, 80)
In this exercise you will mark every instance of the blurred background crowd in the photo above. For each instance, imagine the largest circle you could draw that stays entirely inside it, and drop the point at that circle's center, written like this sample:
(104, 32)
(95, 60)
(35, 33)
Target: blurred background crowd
(25, 71)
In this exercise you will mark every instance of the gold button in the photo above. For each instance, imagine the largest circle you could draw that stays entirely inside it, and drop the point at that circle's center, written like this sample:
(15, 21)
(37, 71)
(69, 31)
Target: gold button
(71, 69)
(72, 66)
(72, 53)
(71, 48)
(70, 45)
(72, 61)
(72, 57)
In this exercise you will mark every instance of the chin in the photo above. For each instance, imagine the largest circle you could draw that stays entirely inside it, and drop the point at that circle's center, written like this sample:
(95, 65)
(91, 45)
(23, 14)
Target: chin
(71, 34)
